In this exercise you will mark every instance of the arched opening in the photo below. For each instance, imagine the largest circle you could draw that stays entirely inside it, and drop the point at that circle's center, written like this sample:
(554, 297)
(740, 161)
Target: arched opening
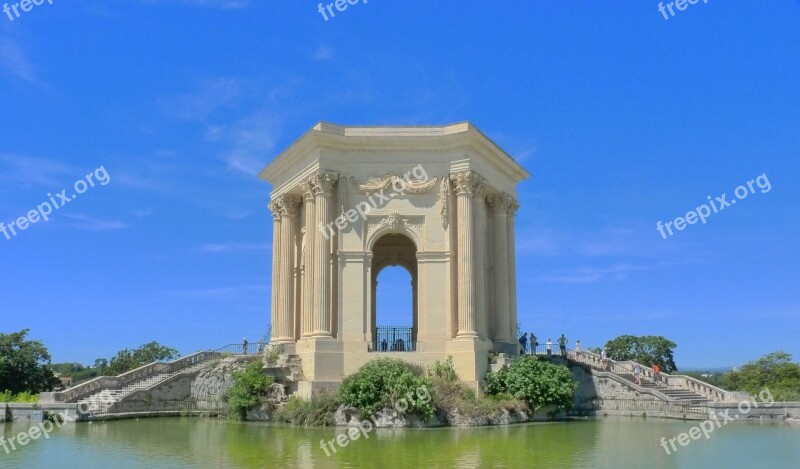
(394, 294)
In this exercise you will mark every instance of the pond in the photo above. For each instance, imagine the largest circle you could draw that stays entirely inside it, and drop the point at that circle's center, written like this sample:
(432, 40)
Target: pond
(216, 443)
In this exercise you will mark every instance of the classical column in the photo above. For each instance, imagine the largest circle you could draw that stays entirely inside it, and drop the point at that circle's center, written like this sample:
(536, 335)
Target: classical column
(512, 267)
(479, 201)
(502, 329)
(467, 322)
(323, 189)
(283, 328)
(312, 232)
(274, 207)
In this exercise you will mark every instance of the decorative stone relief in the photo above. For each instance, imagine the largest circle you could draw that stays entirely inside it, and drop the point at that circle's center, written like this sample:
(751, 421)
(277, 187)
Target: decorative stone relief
(411, 186)
(395, 221)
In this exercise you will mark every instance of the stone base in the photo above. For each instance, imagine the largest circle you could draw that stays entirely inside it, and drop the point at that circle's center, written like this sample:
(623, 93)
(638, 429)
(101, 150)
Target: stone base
(322, 359)
(306, 389)
(470, 359)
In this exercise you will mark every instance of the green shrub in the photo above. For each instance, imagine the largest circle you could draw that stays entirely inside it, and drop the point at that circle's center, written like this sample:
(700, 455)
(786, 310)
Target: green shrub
(388, 383)
(455, 398)
(249, 387)
(496, 382)
(273, 355)
(23, 397)
(317, 412)
(445, 371)
(537, 382)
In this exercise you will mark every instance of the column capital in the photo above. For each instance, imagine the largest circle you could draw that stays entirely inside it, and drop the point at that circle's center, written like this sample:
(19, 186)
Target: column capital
(501, 203)
(287, 205)
(323, 183)
(308, 190)
(464, 182)
(275, 208)
(513, 206)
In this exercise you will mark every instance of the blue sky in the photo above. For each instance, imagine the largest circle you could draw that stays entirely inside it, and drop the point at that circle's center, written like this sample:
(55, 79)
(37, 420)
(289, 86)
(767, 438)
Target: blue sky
(622, 118)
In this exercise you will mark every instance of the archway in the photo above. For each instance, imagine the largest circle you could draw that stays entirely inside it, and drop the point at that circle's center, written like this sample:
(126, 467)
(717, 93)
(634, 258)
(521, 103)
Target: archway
(395, 262)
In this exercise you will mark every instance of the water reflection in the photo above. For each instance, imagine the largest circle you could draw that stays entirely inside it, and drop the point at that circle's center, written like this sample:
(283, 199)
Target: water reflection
(216, 443)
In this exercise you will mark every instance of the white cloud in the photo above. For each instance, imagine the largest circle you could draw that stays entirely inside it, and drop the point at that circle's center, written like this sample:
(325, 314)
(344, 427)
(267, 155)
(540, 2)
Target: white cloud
(235, 247)
(615, 272)
(14, 61)
(27, 171)
(85, 222)
(323, 53)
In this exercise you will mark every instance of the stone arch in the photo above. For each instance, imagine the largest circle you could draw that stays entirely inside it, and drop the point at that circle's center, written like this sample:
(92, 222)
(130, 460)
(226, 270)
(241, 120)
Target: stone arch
(394, 249)
(393, 223)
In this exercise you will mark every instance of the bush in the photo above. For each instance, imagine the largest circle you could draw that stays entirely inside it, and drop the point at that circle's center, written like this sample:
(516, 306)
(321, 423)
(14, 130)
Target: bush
(537, 382)
(388, 383)
(445, 371)
(318, 411)
(249, 387)
(22, 398)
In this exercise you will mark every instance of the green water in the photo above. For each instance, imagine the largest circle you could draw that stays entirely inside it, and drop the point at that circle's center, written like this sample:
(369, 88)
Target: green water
(213, 443)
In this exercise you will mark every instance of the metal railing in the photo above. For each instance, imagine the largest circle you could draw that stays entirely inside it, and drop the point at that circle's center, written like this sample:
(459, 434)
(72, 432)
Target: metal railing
(667, 408)
(394, 339)
(664, 381)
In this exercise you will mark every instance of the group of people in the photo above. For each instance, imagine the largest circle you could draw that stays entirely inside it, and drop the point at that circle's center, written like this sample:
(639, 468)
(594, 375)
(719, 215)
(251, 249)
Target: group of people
(530, 345)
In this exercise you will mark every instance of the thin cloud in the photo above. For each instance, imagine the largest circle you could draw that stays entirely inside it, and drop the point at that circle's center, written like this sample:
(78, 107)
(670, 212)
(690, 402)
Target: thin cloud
(323, 53)
(85, 222)
(614, 272)
(235, 247)
(209, 97)
(28, 171)
(14, 61)
(240, 292)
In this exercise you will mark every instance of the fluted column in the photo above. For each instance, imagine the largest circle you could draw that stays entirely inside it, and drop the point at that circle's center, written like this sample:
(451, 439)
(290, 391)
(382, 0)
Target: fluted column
(512, 267)
(467, 322)
(312, 232)
(283, 328)
(323, 190)
(479, 202)
(502, 329)
(274, 207)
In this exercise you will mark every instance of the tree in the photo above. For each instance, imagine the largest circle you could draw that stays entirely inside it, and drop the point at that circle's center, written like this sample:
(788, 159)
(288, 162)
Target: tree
(647, 350)
(24, 365)
(127, 360)
(774, 371)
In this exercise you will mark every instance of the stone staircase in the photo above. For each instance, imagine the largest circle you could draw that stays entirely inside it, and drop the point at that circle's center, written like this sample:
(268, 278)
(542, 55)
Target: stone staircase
(289, 368)
(675, 388)
(675, 392)
(101, 401)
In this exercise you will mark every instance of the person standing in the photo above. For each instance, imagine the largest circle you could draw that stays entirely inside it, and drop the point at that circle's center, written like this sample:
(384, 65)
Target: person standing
(656, 374)
(637, 373)
(604, 358)
(549, 347)
(578, 346)
(562, 344)
(244, 346)
(534, 343)
(523, 343)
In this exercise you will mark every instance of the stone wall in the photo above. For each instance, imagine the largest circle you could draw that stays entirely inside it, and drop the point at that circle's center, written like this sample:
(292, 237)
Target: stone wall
(210, 384)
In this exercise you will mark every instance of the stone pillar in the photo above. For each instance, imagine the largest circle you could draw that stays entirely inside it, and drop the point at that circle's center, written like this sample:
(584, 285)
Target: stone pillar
(274, 207)
(512, 267)
(501, 317)
(481, 312)
(312, 232)
(464, 183)
(414, 310)
(283, 328)
(323, 189)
